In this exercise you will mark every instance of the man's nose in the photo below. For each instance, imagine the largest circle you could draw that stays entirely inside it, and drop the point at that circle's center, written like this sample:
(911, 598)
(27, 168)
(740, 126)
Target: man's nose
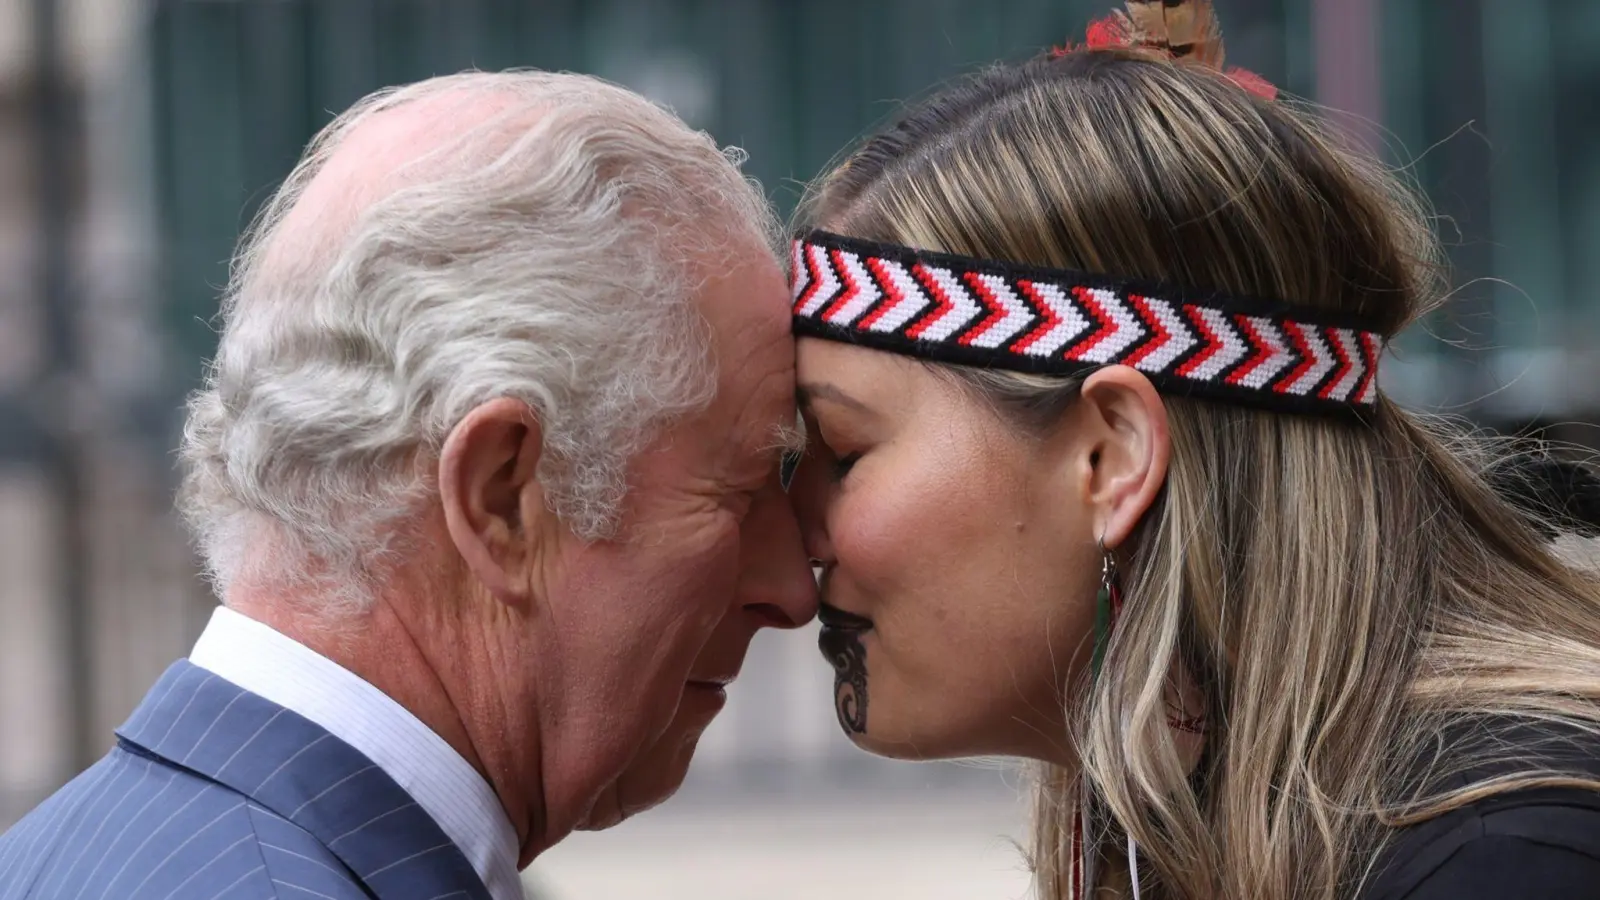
(776, 585)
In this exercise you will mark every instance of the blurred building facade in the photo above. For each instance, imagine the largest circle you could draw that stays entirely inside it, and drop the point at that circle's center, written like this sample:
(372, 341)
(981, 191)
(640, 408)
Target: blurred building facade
(180, 116)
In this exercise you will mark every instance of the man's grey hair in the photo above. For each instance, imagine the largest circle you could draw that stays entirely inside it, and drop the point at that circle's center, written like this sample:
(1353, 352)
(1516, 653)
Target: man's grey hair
(548, 252)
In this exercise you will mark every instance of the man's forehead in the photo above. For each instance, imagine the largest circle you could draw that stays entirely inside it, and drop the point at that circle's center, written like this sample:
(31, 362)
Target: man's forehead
(769, 424)
(748, 309)
(773, 423)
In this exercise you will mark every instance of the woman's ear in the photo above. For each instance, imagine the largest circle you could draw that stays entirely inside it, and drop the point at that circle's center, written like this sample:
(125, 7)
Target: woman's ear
(492, 496)
(1128, 448)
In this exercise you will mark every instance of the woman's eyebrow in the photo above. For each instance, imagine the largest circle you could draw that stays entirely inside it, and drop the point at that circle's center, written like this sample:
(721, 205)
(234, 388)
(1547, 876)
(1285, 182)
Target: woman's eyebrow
(807, 394)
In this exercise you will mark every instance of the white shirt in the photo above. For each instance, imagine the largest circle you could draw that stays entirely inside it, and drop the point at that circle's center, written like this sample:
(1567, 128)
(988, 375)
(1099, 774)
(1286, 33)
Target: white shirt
(292, 675)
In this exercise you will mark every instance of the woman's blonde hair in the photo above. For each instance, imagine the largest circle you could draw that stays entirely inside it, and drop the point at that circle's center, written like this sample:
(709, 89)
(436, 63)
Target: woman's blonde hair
(1352, 598)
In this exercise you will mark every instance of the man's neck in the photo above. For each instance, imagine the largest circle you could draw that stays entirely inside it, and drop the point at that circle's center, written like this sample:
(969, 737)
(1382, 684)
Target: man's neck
(379, 647)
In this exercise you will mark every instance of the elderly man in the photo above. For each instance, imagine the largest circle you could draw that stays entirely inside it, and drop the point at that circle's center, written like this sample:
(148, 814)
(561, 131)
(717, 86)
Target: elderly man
(486, 475)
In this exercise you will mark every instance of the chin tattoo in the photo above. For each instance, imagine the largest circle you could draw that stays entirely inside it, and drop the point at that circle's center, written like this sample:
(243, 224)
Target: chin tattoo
(847, 655)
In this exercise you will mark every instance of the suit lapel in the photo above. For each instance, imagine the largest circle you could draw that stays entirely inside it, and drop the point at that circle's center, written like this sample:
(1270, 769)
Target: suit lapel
(295, 768)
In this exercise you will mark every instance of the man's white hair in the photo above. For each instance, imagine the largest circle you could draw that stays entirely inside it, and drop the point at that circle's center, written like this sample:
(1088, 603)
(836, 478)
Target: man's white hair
(547, 252)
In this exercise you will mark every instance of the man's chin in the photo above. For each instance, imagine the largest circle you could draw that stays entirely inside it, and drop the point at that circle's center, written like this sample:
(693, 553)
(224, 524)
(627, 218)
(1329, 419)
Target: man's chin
(649, 782)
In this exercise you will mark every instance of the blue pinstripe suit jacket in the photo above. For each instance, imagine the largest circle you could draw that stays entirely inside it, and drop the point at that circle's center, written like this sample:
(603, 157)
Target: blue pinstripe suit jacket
(214, 793)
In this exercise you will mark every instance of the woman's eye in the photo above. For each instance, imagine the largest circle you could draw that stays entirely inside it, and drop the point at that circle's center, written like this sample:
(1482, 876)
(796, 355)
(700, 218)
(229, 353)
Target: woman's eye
(844, 464)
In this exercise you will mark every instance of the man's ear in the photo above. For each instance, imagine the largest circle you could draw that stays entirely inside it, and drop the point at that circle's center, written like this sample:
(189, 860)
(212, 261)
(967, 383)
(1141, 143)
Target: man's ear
(492, 499)
(1129, 448)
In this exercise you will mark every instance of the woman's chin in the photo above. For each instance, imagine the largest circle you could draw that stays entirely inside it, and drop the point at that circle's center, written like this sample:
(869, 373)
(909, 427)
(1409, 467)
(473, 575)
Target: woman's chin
(929, 742)
(910, 747)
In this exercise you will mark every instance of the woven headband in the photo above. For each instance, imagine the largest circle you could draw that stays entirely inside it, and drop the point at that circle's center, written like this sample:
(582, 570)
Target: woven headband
(972, 312)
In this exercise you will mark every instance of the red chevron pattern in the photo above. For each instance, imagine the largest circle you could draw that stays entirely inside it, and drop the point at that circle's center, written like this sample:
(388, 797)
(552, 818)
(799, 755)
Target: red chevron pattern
(1371, 350)
(1104, 327)
(1062, 321)
(1172, 338)
(799, 273)
(1007, 313)
(1222, 347)
(860, 290)
(820, 280)
(975, 312)
(907, 297)
(1343, 381)
(1270, 354)
(1316, 360)
(955, 307)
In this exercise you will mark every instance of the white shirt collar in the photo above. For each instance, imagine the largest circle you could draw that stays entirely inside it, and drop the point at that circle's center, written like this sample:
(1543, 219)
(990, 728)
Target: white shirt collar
(290, 674)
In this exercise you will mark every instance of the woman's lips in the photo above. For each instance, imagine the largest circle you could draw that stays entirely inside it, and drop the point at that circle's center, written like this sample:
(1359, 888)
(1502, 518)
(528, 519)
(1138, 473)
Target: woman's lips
(835, 618)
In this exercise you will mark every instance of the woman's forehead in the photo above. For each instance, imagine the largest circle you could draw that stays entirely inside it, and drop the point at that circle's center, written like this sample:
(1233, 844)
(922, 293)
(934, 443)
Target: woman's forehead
(874, 378)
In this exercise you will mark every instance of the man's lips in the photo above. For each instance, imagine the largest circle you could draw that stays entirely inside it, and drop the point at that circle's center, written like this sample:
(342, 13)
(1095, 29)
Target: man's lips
(840, 620)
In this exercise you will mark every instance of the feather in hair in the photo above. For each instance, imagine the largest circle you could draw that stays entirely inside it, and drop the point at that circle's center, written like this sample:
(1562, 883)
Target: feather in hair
(1183, 28)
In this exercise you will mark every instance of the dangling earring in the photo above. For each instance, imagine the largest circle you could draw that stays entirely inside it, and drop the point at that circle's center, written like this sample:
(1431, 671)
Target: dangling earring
(1107, 603)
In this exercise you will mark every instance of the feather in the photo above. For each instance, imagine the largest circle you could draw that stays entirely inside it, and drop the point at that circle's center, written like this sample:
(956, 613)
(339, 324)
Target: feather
(1183, 28)
(1112, 31)
(1149, 18)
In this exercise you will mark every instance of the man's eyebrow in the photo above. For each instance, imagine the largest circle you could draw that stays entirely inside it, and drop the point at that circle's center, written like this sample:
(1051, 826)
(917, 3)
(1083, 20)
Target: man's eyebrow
(784, 439)
(806, 394)
(786, 446)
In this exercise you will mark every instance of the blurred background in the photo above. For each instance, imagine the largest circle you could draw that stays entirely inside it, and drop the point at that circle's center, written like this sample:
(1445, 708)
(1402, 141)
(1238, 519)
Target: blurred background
(138, 136)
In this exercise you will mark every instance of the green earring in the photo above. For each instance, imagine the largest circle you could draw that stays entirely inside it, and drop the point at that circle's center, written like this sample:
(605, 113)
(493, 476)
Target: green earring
(1106, 601)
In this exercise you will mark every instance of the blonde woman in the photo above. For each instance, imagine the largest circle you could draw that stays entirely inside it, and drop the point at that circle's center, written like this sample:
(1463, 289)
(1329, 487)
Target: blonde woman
(1102, 478)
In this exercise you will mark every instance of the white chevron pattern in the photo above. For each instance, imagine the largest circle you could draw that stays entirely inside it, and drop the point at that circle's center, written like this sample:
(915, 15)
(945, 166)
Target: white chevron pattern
(1069, 322)
(799, 278)
(1322, 359)
(827, 282)
(1278, 358)
(1178, 341)
(1017, 315)
(963, 309)
(912, 298)
(1126, 328)
(1351, 346)
(1374, 348)
(1229, 349)
(900, 296)
(860, 291)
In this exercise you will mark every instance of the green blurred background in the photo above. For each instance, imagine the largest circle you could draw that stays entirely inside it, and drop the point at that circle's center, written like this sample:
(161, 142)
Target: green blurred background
(1485, 98)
